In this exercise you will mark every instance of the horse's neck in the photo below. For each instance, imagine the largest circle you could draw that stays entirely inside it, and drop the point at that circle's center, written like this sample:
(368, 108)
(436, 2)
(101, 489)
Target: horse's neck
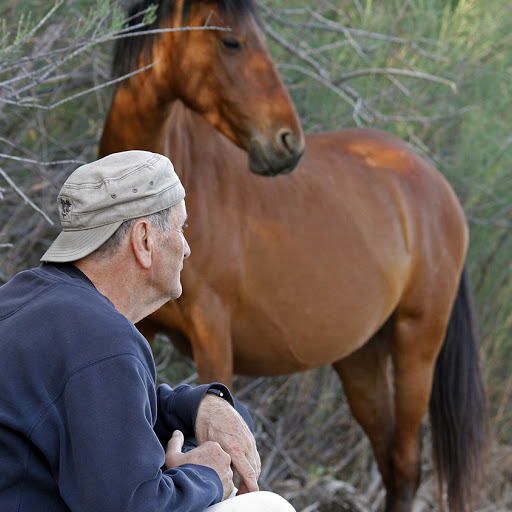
(182, 125)
(199, 152)
(203, 158)
(137, 120)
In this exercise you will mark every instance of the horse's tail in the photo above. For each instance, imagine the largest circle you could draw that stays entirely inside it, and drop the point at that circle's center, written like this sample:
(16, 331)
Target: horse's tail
(458, 408)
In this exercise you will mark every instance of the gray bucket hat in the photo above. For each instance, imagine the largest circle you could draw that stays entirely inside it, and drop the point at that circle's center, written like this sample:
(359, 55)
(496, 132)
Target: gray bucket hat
(98, 197)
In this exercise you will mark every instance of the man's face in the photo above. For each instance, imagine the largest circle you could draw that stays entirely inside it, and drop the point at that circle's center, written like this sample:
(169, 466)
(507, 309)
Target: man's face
(172, 248)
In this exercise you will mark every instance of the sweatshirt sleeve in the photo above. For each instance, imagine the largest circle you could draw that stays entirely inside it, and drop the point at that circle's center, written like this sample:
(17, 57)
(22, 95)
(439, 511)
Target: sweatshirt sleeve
(177, 408)
(111, 458)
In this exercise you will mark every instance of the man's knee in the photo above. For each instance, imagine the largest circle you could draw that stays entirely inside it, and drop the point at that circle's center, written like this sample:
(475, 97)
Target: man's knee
(261, 501)
(272, 502)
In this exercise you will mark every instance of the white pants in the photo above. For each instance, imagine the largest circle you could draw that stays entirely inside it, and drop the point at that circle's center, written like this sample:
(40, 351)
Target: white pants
(260, 501)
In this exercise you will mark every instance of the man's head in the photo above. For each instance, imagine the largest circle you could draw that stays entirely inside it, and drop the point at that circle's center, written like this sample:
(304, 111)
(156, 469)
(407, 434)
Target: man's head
(123, 212)
(98, 197)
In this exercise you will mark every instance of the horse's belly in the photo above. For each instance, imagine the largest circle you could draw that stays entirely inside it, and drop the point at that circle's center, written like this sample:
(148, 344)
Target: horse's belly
(303, 336)
(316, 287)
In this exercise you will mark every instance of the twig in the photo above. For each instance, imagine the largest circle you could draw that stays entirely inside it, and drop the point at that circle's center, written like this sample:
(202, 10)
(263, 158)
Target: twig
(336, 27)
(344, 30)
(39, 77)
(24, 197)
(395, 71)
(43, 20)
(38, 162)
(357, 105)
(295, 51)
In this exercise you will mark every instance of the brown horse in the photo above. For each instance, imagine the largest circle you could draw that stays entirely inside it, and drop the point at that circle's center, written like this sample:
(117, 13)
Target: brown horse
(354, 259)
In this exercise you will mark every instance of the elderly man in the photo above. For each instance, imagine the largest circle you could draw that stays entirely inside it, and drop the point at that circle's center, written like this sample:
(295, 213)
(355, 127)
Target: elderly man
(82, 427)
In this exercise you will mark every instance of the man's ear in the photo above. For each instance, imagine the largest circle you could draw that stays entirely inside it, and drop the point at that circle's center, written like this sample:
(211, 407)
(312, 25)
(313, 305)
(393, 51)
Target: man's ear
(141, 240)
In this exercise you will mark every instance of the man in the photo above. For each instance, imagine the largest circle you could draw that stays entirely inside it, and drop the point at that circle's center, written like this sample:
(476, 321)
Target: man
(82, 427)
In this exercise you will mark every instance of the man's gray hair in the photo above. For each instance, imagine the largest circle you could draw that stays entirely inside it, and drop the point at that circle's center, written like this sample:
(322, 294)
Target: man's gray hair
(160, 219)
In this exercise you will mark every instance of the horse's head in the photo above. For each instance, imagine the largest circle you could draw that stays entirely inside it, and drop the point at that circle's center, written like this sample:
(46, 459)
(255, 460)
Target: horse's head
(227, 76)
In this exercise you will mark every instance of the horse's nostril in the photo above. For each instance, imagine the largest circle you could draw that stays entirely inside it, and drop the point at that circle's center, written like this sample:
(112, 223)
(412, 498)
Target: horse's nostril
(288, 140)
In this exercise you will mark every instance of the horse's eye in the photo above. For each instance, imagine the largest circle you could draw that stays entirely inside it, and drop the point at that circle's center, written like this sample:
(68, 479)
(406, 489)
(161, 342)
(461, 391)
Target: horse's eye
(232, 44)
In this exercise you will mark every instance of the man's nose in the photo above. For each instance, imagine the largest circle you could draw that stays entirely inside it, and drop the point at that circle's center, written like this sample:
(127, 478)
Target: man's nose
(187, 251)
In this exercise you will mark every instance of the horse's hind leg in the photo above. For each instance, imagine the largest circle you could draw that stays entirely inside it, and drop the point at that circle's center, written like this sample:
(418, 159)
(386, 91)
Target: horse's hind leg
(391, 409)
(416, 343)
(365, 375)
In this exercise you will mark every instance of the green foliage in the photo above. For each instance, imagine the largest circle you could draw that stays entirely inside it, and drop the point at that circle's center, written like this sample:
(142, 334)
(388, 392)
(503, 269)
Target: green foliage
(317, 471)
(150, 14)
(52, 107)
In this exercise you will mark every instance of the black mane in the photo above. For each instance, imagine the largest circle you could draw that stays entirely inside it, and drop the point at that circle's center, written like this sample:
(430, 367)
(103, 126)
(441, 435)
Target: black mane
(127, 49)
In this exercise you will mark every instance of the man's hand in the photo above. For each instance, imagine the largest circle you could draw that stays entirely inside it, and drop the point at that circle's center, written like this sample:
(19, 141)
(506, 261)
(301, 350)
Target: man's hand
(218, 421)
(208, 454)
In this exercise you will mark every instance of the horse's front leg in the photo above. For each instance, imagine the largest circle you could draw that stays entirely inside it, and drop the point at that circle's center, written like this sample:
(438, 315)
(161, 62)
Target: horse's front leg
(207, 322)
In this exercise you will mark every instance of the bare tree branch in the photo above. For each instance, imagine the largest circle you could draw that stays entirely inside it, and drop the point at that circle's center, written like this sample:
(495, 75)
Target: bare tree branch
(24, 197)
(394, 71)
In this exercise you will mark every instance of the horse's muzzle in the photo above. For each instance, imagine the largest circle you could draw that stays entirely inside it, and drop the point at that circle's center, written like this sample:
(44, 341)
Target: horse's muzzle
(279, 156)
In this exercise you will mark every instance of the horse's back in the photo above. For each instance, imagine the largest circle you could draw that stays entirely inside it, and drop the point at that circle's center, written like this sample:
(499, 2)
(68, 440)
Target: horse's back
(373, 170)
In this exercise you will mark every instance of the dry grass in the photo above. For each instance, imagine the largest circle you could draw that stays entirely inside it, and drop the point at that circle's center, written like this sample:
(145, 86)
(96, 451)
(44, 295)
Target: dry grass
(316, 455)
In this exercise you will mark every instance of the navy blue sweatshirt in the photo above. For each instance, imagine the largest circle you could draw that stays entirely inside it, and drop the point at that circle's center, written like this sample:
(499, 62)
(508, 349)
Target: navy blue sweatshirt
(81, 423)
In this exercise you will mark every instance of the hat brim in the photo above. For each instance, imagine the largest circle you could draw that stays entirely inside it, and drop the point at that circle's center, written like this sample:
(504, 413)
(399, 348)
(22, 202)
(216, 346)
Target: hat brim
(73, 245)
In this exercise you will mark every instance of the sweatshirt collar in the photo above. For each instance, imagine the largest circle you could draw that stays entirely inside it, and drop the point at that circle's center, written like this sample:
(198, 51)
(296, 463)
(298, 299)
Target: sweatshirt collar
(57, 269)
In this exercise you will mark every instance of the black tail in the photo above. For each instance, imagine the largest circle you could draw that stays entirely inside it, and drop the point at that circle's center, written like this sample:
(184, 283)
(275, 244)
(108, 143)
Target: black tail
(458, 408)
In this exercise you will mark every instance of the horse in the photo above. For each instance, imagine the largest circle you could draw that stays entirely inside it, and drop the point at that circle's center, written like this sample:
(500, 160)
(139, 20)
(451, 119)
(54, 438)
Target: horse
(355, 259)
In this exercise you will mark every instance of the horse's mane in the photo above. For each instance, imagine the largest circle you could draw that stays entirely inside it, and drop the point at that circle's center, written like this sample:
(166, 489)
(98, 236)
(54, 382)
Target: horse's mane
(127, 49)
